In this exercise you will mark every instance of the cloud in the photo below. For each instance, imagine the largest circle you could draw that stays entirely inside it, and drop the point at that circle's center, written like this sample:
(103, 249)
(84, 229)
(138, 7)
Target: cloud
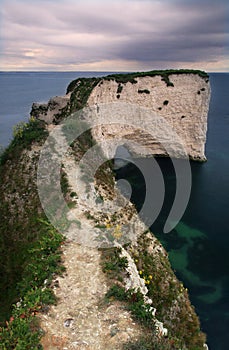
(137, 34)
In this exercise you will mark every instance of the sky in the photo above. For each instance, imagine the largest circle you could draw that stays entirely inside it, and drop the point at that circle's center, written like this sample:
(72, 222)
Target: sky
(114, 35)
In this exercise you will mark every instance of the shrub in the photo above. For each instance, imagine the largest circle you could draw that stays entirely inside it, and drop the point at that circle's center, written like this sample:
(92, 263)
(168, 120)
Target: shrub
(117, 292)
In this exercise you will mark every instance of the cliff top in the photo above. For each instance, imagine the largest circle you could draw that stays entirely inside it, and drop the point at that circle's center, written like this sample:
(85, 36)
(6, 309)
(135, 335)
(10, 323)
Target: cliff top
(131, 77)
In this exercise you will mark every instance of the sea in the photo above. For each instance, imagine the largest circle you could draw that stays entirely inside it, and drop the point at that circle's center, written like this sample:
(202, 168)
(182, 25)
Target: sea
(198, 245)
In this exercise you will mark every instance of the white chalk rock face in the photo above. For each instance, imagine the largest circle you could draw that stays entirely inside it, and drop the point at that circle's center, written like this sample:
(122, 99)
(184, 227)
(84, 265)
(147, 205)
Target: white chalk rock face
(183, 105)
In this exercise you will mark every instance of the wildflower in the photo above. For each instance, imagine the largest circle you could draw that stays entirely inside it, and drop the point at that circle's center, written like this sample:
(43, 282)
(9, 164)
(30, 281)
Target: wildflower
(32, 119)
(136, 260)
(140, 272)
(150, 277)
(117, 232)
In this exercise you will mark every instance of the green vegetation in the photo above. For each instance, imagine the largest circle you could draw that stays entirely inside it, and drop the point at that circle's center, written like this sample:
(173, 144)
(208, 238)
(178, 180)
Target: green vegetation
(82, 84)
(131, 77)
(135, 303)
(112, 263)
(150, 342)
(24, 136)
(80, 95)
(29, 246)
(166, 292)
(82, 87)
(64, 184)
(42, 261)
(169, 296)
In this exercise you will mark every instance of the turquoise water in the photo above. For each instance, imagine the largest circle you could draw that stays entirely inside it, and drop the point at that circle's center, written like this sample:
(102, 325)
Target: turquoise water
(198, 246)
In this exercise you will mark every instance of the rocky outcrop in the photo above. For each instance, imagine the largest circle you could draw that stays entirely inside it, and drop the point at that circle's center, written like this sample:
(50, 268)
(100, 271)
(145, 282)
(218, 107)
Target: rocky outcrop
(48, 111)
(177, 103)
(183, 106)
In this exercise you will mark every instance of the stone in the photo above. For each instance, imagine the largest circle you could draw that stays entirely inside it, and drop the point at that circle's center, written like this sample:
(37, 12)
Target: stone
(167, 102)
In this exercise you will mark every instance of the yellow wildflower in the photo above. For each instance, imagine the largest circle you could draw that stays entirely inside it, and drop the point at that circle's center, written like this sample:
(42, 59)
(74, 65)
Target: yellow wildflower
(117, 233)
(32, 119)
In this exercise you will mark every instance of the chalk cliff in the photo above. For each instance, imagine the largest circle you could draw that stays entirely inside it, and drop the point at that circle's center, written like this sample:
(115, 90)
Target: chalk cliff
(177, 100)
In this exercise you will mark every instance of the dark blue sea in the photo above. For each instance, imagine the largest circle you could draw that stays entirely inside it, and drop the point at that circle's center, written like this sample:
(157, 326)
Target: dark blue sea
(198, 246)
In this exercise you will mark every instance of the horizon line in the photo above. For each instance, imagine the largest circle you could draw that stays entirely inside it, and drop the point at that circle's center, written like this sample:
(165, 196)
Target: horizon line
(98, 71)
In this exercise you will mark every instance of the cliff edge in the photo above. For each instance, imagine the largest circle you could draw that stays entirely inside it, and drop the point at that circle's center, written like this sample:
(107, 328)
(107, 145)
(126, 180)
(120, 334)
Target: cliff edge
(121, 295)
(178, 98)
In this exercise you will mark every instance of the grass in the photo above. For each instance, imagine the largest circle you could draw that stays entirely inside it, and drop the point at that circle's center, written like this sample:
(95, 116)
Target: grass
(134, 303)
(112, 263)
(166, 292)
(34, 293)
(149, 342)
(131, 77)
(29, 246)
(25, 134)
(169, 297)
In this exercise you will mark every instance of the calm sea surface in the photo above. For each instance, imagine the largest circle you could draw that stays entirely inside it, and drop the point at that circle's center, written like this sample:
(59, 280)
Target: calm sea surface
(198, 246)
(19, 90)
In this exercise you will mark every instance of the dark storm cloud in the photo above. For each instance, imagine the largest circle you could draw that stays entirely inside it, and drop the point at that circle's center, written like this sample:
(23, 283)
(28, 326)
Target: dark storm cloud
(62, 33)
(203, 35)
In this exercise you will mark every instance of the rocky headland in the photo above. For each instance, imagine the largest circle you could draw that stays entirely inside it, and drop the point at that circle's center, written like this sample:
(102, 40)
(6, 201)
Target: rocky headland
(121, 295)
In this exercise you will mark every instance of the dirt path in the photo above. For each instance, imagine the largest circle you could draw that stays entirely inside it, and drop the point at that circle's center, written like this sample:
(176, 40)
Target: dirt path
(82, 319)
